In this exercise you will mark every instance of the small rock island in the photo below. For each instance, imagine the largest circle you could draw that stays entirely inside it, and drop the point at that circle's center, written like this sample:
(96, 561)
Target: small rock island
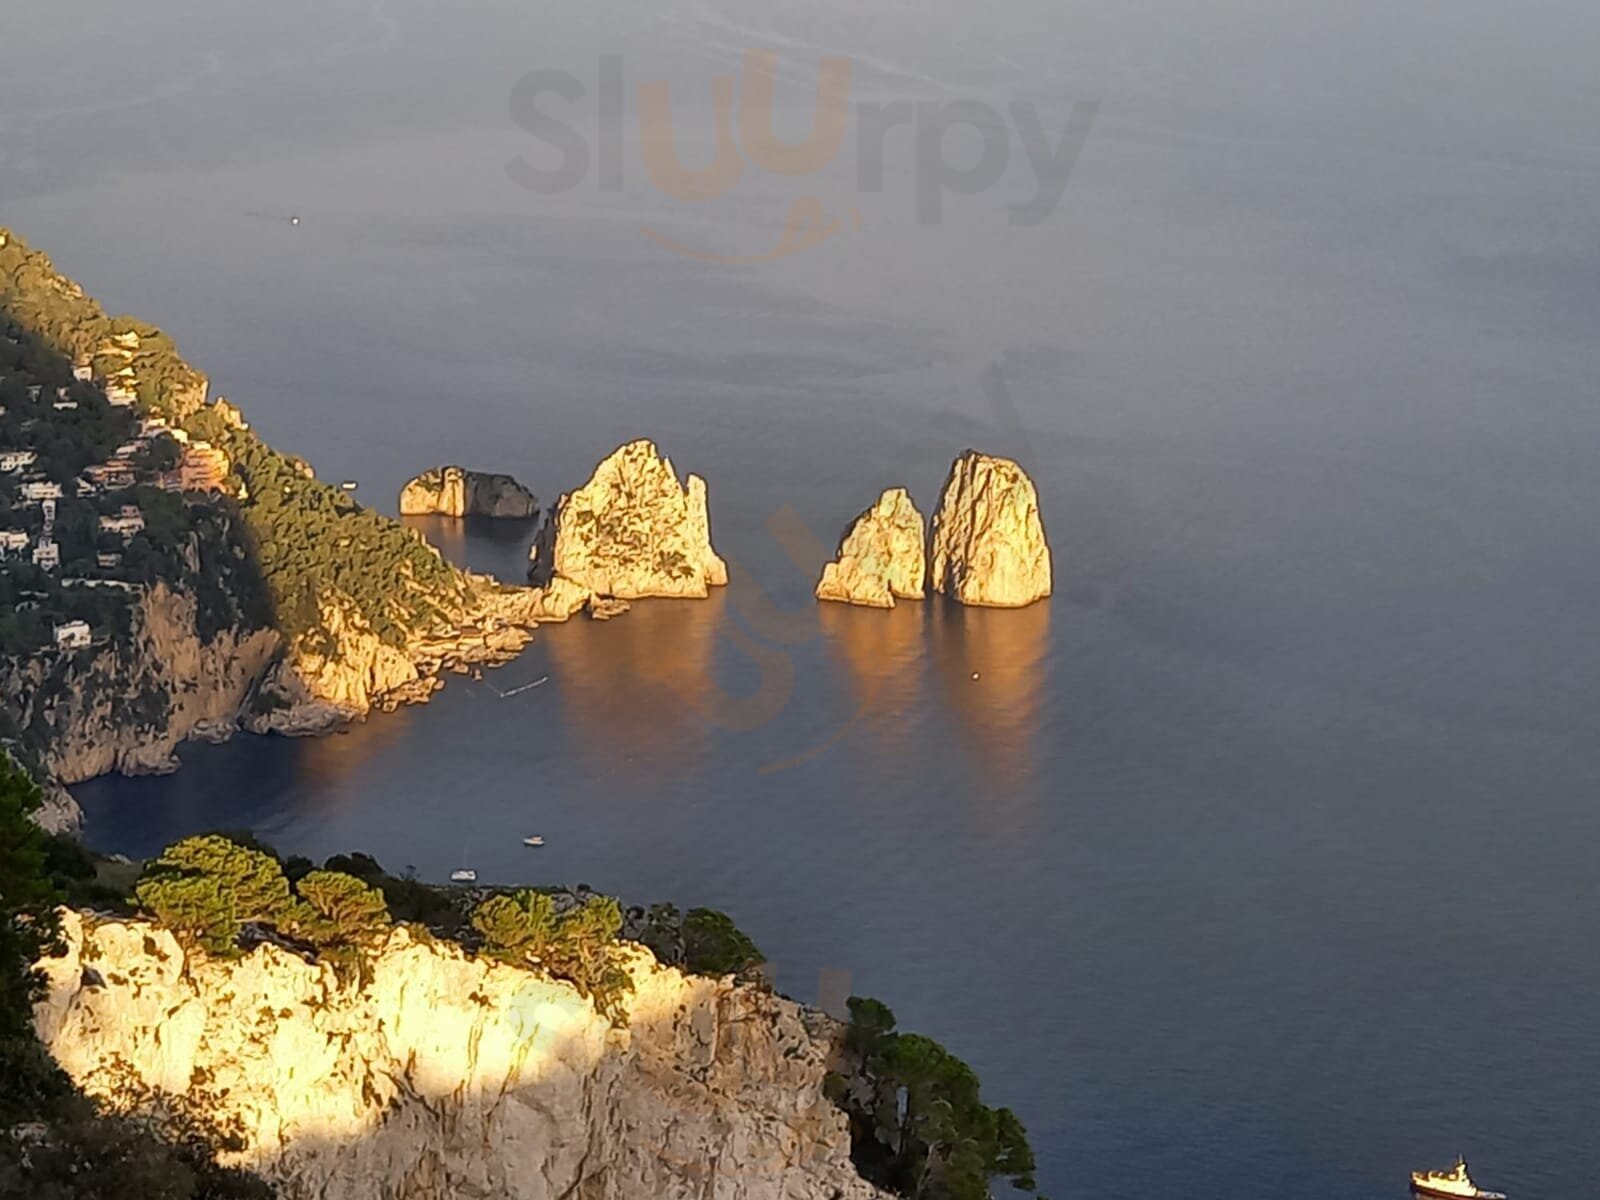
(632, 531)
(989, 546)
(455, 492)
(882, 556)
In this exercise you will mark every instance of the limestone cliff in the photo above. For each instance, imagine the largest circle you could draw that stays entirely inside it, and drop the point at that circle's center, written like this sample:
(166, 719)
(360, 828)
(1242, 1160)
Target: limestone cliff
(446, 1077)
(126, 705)
(881, 556)
(989, 546)
(346, 669)
(454, 492)
(632, 531)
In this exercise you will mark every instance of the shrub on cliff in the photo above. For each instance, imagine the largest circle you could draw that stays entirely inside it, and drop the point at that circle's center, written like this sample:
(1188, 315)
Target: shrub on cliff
(28, 930)
(714, 945)
(517, 928)
(317, 547)
(198, 909)
(578, 945)
(203, 888)
(340, 914)
(918, 1125)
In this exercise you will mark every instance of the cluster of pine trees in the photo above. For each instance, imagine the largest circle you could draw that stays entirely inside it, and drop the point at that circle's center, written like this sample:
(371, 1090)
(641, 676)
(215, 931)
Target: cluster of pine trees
(314, 544)
(58, 1143)
(73, 325)
(918, 1125)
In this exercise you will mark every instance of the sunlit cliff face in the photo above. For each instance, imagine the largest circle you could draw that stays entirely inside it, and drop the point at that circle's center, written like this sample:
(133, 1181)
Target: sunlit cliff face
(448, 1076)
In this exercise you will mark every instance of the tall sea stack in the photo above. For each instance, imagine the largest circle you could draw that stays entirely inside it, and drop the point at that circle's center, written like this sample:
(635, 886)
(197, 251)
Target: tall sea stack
(989, 546)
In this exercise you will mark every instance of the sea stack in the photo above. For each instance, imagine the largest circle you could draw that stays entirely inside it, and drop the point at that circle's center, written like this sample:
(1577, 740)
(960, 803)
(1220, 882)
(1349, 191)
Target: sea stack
(882, 556)
(989, 546)
(454, 492)
(632, 531)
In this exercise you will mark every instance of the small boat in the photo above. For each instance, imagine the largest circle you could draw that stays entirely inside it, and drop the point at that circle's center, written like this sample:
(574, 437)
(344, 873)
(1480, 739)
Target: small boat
(535, 840)
(349, 485)
(465, 875)
(1452, 1184)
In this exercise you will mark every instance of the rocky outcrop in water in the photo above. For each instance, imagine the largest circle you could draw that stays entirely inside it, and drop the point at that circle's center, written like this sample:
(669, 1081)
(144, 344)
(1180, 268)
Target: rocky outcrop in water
(883, 555)
(455, 492)
(445, 1077)
(989, 546)
(632, 531)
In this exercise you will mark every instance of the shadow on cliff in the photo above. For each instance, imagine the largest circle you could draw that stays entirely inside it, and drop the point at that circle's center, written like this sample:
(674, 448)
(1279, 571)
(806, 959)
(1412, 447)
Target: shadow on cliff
(449, 1076)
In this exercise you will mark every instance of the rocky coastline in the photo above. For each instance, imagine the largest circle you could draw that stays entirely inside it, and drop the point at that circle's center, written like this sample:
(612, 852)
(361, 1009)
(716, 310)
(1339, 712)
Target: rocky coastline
(456, 492)
(442, 1075)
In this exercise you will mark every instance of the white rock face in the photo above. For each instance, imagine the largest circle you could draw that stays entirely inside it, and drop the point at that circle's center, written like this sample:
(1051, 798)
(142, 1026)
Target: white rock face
(632, 531)
(883, 555)
(455, 492)
(451, 1078)
(989, 546)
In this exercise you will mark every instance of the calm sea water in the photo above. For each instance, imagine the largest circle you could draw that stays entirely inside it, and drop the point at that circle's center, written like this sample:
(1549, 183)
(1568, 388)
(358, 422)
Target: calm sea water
(1264, 851)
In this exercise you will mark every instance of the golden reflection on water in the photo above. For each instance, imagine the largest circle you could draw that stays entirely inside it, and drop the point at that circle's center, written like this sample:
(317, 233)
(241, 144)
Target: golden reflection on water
(882, 653)
(633, 689)
(323, 762)
(448, 535)
(642, 694)
(997, 715)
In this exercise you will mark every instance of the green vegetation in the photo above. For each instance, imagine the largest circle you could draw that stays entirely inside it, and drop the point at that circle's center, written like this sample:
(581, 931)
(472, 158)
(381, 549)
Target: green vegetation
(65, 1145)
(702, 942)
(204, 888)
(918, 1127)
(28, 929)
(344, 918)
(714, 945)
(313, 544)
(578, 945)
(75, 327)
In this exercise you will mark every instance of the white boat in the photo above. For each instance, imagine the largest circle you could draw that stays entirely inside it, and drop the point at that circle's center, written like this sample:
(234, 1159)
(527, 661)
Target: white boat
(535, 840)
(465, 875)
(1452, 1184)
(349, 485)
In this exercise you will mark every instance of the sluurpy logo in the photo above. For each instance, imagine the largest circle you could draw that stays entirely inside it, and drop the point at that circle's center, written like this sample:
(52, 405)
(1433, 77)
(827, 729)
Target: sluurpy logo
(745, 140)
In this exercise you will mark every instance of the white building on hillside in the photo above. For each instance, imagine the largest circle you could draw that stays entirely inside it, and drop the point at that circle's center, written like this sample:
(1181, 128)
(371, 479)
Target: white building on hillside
(41, 489)
(126, 523)
(47, 555)
(73, 635)
(12, 541)
(16, 460)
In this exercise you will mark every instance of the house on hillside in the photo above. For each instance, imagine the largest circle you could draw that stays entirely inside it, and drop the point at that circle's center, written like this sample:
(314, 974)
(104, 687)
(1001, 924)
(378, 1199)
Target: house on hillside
(109, 475)
(82, 372)
(73, 635)
(41, 489)
(17, 460)
(107, 559)
(126, 523)
(203, 468)
(12, 541)
(47, 555)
